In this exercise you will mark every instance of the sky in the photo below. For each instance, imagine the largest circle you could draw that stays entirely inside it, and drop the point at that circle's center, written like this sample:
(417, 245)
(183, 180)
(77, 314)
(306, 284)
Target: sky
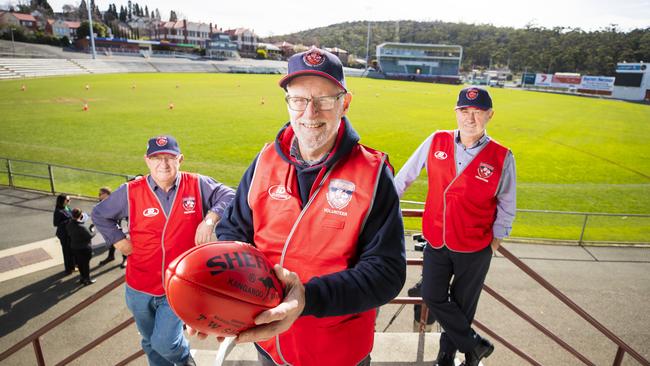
(277, 17)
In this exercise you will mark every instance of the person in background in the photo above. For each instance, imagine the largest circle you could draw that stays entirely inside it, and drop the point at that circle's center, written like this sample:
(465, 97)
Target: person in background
(80, 243)
(104, 192)
(169, 212)
(62, 215)
(470, 207)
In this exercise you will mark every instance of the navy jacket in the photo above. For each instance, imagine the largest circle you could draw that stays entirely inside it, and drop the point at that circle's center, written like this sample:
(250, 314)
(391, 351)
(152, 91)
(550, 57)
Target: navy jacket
(381, 271)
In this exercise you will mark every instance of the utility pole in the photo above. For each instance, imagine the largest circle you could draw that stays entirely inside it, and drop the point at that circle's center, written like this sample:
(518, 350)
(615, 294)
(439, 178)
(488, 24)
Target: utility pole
(91, 32)
(368, 47)
(13, 45)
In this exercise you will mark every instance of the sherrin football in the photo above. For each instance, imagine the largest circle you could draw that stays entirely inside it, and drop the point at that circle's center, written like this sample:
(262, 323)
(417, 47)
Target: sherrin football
(218, 288)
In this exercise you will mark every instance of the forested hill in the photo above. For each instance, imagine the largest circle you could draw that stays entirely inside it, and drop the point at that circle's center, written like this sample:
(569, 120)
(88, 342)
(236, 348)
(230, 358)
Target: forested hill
(534, 48)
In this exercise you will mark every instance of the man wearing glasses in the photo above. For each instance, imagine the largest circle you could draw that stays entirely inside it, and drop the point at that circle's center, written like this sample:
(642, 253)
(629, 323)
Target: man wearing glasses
(323, 208)
(469, 209)
(169, 212)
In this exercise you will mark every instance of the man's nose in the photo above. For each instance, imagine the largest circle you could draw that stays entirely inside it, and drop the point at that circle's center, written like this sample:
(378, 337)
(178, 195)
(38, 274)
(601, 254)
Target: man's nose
(311, 109)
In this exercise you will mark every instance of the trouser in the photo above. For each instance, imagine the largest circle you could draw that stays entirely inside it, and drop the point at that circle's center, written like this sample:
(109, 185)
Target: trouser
(265, 361)
(111, 253)
(161, 330)
(454, 301)
(68, 257)
(82, 258)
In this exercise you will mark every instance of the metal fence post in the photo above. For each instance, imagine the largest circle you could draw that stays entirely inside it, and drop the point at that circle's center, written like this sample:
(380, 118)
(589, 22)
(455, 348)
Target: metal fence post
(584, 226)
(51, 174)
(10, 174)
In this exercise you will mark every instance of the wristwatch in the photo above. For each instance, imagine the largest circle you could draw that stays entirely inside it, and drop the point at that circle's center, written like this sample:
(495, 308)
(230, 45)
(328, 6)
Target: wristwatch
(209, 221)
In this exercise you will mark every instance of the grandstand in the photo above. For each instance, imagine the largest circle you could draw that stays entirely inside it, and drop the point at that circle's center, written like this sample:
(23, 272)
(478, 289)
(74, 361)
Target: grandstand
(420, 62)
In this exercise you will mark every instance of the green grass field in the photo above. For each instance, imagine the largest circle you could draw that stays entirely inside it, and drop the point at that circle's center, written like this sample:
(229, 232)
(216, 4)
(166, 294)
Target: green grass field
(572, 153)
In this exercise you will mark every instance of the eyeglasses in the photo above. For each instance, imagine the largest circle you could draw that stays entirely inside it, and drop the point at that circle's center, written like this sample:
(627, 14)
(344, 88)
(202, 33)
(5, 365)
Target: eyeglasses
(157, 159)
(325, 103)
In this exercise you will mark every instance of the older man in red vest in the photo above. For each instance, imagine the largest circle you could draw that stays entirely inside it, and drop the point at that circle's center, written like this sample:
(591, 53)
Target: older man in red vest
(323, 208)
(469, 209)
(169, 212)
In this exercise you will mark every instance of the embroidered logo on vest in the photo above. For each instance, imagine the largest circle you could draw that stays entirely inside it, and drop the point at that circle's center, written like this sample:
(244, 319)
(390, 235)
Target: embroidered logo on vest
(339, 193)
(188, 204)
(485, 170)
(278, 192)
(440, 155)
(150, 212)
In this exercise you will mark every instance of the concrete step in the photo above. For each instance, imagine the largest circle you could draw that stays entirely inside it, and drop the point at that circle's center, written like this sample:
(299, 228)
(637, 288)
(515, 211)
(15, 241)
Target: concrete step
(394, 349)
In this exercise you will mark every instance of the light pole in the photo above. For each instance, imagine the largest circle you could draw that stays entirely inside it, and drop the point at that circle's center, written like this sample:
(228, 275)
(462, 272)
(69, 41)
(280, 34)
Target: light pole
(13, 45)
(368, 47)
(91, 31)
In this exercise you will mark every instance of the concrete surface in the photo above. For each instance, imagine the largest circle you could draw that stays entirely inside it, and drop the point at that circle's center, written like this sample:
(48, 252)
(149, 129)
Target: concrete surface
(610, 283)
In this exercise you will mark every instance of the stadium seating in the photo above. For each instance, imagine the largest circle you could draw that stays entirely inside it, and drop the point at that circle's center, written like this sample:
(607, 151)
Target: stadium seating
(30, 67)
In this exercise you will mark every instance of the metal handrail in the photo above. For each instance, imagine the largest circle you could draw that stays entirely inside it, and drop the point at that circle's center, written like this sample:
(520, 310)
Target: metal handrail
(34, 338)
(622, 346)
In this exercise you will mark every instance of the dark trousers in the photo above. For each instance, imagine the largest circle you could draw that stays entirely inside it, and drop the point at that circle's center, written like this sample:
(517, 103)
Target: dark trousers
(68, 257)
(453, 301)
(82, 257)
(111, 253)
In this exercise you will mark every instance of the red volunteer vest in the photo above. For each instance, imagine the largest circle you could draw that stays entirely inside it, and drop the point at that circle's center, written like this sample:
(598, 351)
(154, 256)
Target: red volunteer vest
(157, 240)
(316, 240)
(460, 210)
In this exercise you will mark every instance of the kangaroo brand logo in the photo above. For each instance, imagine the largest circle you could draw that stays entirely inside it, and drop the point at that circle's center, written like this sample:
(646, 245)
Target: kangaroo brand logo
(440, 155)
(278, 192)
(150, 212)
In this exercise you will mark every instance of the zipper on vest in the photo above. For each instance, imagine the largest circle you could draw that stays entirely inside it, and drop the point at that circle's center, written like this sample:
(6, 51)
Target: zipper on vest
(286, 244)
(162, 237)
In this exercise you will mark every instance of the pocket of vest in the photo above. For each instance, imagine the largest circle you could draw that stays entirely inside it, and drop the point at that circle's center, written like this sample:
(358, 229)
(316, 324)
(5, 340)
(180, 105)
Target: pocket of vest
(335, 224)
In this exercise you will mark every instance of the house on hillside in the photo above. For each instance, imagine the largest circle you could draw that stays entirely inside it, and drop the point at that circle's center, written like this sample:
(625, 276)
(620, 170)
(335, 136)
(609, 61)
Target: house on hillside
(62, 28)
(26, 21)
(183, 31)
(246, 41)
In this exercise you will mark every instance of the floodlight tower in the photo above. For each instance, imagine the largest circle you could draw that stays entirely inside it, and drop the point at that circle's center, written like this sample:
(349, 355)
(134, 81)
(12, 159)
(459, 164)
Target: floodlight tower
(90, 25)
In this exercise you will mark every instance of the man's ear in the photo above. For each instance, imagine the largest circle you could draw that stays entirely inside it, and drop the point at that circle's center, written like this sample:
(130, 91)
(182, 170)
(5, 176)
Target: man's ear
(347, 99)
(180, 159)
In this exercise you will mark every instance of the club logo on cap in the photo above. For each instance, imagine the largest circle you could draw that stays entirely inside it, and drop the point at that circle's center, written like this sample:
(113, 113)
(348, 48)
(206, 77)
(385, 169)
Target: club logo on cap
(161, 141)
(313, 58)
(471, 94)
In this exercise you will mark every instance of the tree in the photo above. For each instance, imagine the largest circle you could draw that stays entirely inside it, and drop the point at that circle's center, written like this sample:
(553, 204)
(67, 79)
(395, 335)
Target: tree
(122, 15)
(98, 28)
(172, 16)
(157, 14)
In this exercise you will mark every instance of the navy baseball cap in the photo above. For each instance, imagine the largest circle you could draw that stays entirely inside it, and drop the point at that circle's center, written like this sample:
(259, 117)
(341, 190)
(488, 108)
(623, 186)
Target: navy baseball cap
(474, 97)
(163, 145)
(315, 62)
